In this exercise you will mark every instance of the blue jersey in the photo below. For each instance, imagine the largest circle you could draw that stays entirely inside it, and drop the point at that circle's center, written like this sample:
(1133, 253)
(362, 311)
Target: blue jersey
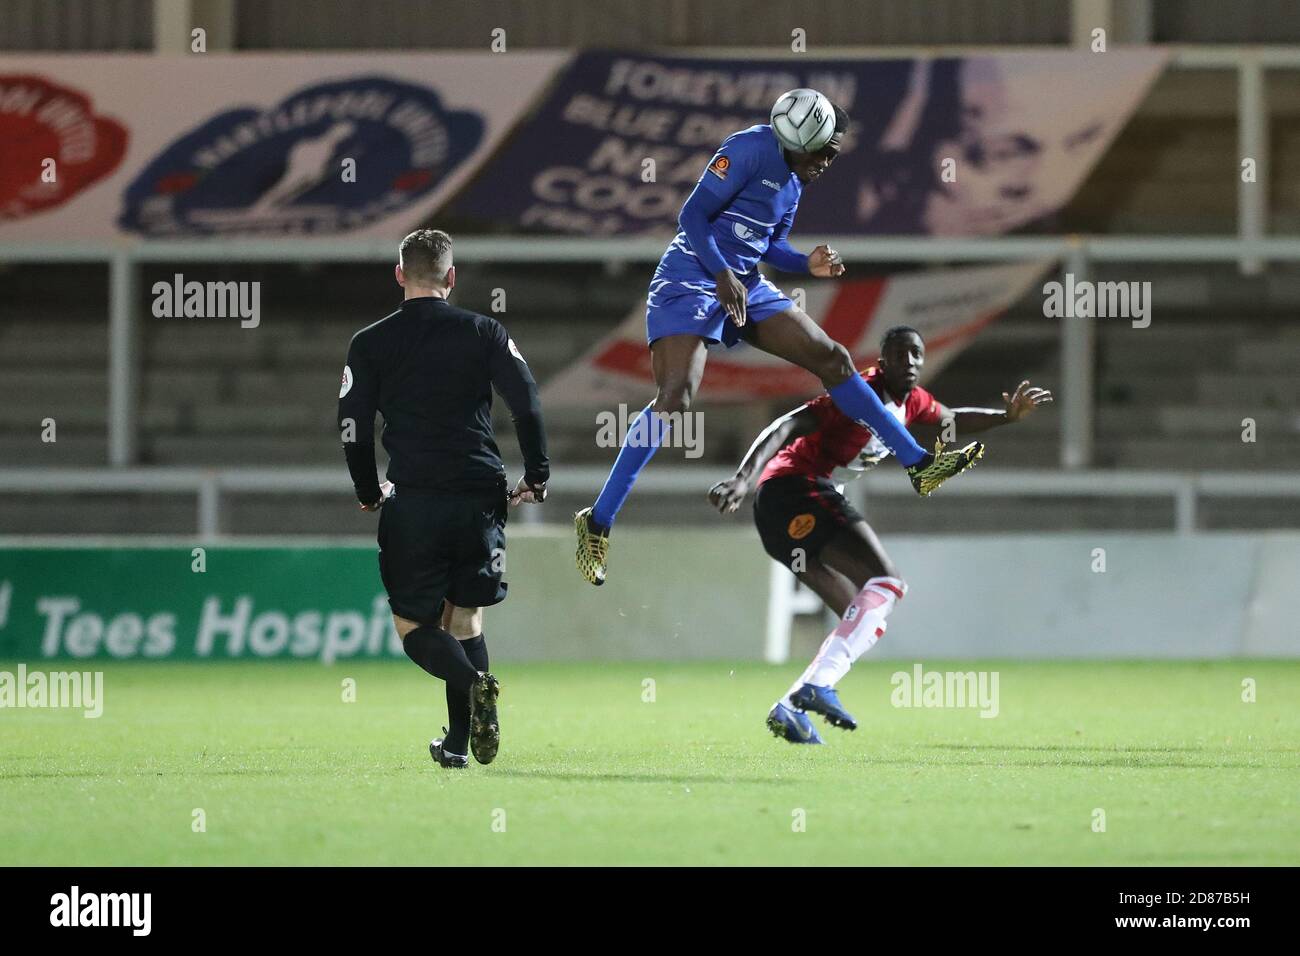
(759, 195)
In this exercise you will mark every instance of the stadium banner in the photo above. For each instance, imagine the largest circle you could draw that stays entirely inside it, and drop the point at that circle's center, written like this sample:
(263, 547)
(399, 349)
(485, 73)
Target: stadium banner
(193, 604)
(254, 145)
(324, 602)
(949, 307)
(973, 145)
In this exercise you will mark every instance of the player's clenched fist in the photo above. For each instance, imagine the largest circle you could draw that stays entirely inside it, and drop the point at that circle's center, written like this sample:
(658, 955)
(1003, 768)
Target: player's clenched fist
(825, 263)
(524, 492)
(728, 495)
(385, 492)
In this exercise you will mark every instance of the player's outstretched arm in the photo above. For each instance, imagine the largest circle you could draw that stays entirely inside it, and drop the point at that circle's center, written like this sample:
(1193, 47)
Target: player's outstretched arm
(729, 494)
(1019, 404)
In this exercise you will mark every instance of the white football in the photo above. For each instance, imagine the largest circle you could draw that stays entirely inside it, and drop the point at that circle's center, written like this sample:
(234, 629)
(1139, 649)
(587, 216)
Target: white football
(803, 120)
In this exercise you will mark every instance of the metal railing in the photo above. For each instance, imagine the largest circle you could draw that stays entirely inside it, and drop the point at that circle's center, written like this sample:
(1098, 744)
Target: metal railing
(211, 485)
(1075, 253)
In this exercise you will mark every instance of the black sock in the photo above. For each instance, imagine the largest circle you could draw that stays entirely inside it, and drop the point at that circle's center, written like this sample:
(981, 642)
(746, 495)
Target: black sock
(457, 739)
(476, 651)
(441, 655)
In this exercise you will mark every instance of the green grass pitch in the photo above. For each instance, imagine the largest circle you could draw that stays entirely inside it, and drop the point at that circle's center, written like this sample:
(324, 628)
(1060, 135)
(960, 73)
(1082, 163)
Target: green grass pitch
(285, 772)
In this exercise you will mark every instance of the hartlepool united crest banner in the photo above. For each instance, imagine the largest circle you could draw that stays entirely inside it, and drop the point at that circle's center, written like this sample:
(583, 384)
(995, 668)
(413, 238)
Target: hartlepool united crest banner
(262, 145)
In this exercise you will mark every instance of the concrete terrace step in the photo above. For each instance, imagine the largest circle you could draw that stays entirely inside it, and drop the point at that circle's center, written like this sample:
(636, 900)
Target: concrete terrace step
(71, 450)
(77, 347)
(250, 450)
(1272, 389)
(1199, 455)
(1196, 420)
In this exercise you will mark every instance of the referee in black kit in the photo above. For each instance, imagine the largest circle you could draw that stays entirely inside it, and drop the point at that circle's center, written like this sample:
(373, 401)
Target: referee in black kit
(429, 369)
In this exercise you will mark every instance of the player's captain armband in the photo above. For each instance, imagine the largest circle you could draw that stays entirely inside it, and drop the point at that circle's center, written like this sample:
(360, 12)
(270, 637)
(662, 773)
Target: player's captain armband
(346, 385)
(514, 350)
(719, 166)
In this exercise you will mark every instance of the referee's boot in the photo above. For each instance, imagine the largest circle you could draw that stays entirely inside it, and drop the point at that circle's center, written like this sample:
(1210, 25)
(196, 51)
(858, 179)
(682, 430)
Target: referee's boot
(933, 470)
(824, 701)
(444, 759)
(484, 727)
(593, 548)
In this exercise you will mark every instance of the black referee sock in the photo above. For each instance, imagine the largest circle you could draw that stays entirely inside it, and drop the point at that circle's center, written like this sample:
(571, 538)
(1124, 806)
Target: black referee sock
(457, 739)
(476, 651)
(441, 655)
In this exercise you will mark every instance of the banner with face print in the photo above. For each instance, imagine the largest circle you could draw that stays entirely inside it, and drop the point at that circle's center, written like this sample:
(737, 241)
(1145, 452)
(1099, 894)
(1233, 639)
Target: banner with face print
(974, 145)
(949, 307)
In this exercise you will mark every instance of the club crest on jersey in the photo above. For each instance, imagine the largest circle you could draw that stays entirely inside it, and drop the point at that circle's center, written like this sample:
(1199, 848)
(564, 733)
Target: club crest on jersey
(801, 526)
(55, 146)
(328, 158)
(719, 166)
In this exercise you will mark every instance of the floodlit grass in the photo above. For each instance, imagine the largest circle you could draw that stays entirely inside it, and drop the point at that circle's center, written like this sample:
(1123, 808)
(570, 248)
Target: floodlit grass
(285, 772)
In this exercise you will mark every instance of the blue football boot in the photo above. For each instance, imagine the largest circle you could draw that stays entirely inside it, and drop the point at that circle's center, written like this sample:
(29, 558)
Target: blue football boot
(791, 725)
(824, 701)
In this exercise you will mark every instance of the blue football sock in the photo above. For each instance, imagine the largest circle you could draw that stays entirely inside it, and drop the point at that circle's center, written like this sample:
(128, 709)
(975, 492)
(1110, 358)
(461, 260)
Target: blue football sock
(859, 401)
(644, 436)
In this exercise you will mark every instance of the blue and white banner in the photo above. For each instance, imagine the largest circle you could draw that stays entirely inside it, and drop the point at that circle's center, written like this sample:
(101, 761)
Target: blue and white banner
(975, 145)
(223, 145)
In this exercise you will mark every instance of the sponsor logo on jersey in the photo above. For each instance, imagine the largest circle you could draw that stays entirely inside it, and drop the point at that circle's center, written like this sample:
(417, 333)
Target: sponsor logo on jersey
(328, 158)
(744, 233)
(801, 526)
(771, 185)
(719, 166)
(41, 121)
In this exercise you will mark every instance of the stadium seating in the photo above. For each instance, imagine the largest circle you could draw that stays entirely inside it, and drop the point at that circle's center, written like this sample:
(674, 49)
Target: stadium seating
(1171, 396)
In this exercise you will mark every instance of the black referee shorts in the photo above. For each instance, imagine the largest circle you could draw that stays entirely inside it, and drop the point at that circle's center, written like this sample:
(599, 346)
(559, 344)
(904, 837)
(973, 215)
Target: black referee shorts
(798, 514)
(442, 547)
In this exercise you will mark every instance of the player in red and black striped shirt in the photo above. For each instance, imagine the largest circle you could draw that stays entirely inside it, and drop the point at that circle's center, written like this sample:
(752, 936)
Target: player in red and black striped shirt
(807, 525)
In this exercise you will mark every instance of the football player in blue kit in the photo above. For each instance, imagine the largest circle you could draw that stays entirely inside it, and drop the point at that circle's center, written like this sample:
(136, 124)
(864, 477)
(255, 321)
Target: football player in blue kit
(707, 290)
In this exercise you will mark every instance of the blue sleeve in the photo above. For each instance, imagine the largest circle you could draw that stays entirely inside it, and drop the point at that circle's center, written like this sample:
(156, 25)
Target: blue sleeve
(731, 167)
(696, 219)
(779, 251)
(785, 257)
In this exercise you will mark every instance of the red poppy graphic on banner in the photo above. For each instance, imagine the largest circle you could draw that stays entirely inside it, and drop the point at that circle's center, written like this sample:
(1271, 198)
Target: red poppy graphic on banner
(54, 145)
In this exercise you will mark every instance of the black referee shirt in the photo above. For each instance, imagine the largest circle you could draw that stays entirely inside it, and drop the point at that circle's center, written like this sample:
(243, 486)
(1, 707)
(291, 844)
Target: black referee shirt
(429, 369)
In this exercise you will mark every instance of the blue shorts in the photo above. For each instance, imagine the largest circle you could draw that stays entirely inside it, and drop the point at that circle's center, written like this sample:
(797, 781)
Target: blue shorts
(690, 307)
